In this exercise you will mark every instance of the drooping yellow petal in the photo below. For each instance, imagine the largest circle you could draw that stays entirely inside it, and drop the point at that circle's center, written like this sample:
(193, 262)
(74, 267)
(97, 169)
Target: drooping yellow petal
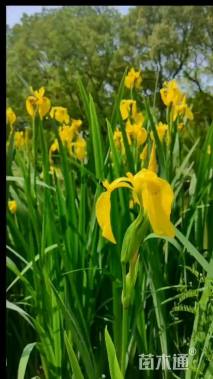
(103, 206)
(43, 106)
(103, 210)
(11, 116)
(140, 134)
(156, 196)
(153, 166)
(157, 201)
(144, 153)
(80, 148)
(31, 104)
(60, 114)
(122, 182)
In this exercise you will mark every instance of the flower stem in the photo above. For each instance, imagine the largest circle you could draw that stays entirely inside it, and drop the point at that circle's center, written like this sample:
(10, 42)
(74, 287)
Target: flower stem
(35, 153)
(124, 324)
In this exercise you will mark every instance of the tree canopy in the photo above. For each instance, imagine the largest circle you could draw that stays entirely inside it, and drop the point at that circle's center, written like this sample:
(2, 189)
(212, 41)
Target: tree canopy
(53, 47)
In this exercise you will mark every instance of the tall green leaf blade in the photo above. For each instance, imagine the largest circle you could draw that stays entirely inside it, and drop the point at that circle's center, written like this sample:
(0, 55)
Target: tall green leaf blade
(24, 360)
(73, 359)
(96, 140)
(114, 368)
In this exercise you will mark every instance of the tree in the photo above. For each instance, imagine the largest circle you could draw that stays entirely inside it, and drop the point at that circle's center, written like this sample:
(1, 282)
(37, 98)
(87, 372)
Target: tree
(54, 47)
(96, 42)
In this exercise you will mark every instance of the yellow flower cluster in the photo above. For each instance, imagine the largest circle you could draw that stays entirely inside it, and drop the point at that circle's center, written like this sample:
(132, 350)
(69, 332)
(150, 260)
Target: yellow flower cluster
(133, 79)
(69, 130)
(171, 95)
(70, 137)
(38, 102)
(134, 122)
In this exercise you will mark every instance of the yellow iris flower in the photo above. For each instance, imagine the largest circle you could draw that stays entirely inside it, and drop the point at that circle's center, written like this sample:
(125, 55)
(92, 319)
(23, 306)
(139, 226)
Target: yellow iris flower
(128, 108)
(171, 93)
(12, 205)
(76, 124)
(38, 102)
(60, 114)
(80, 148)
(154, 195)
(136, 132)
(11, 116)
(182, 109)
(161, 130)
(20, 139)
(66, 133)
(133, 79)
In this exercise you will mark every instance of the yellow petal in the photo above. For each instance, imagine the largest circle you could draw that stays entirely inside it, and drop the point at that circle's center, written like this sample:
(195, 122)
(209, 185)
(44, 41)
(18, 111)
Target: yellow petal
(120, 183)
(153, 161)
(40, 93)
(60, 114)
(11, 116)
(141, 135)
(19, 139)
(133, 79)
(80, 148)
(31, 105)
(127, 107)
(12, 205)
(139, 118)
(128, 82)
(43, 106)
(103, 207)
(157, 197)
(143, 155)
(161, 130)
(157, 203)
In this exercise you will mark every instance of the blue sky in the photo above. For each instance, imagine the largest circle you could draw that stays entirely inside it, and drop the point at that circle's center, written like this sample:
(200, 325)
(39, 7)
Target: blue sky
(15, 12)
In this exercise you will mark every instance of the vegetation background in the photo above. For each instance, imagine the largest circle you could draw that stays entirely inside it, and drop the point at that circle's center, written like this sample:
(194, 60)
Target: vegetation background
(64, 280)
(54, 47)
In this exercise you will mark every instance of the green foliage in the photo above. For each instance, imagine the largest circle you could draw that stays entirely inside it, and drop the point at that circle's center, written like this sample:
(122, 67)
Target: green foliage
(54, 47)
(65, 282)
